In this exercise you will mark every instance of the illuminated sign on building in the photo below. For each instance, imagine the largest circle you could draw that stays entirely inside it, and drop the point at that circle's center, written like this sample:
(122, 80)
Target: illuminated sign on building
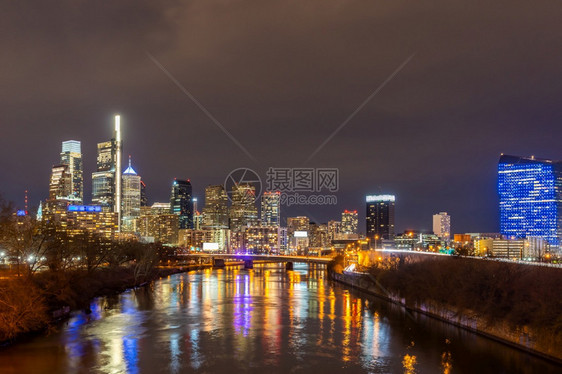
(21, 213)
(378, 198)
(84, 208)
(210, 246)
(300, 234)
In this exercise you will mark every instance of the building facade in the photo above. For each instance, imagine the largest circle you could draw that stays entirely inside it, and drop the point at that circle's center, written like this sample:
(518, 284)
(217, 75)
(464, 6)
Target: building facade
(131, 199)
(298, 233)
(106, 180)
(144, 198)
(71, 155)
(262, 239)
(380, 217)
(103, 179)
(215, 211)
(530, 198)
(181, 203)
(270, 208)
(243, 211)
(157, 224)
(349, 221)
(60, 185)
(442, 225)
(74, 220)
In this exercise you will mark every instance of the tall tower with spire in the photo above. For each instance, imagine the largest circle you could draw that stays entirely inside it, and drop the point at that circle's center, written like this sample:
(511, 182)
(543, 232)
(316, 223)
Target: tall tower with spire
(131, 199)
(106, 181)
(118, 150)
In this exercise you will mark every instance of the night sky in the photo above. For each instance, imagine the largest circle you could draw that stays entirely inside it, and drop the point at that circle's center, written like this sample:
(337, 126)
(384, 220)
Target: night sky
(281, 76)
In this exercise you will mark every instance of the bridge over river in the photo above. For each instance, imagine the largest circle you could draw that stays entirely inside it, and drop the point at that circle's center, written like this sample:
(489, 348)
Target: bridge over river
(219, 258)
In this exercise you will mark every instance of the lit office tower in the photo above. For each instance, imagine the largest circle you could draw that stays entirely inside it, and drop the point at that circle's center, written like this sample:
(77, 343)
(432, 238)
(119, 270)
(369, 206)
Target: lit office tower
(270, 212)
(215, 211)
(442, 225)
(181, 203)
(60, 186)
(349, 222)
(380, 216)
(106, 181)
(530, 196)
(243, 211)
(71, 155)
(131, 199)
(103, 180)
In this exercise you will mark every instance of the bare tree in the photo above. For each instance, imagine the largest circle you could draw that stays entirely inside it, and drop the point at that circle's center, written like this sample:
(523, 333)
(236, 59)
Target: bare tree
(26, 241)
(22, 308)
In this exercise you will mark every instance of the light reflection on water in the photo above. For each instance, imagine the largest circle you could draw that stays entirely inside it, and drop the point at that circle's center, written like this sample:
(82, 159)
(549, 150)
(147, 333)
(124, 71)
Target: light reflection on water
(266, 319)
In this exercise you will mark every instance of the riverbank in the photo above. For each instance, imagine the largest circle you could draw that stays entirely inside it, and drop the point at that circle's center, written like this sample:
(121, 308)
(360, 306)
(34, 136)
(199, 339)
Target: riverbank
(35, 306)
(49, 298)
(545, 344)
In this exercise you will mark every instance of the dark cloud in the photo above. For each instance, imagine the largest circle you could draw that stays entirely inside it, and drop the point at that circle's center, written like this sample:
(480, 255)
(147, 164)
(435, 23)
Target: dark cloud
(281, 76)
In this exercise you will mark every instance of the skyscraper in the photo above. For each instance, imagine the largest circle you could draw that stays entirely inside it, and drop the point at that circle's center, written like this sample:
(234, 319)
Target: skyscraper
(181, 202)
(131, 199)
(60, 186)
(71, 155)
(103, 180)
(349, 222)
(144, 198)
(380, 216)
(442, 225)
(118, 150)
(270, 208)
(106, 181)
(215, 211)
(243, 211)
(530, 196)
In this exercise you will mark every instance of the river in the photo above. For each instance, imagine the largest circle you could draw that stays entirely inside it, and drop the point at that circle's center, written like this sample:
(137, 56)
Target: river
(266, 320)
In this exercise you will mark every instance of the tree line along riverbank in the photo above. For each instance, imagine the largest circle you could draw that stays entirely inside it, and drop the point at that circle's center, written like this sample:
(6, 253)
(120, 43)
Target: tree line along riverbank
(516, 303)
(46, 273)
(32, 303)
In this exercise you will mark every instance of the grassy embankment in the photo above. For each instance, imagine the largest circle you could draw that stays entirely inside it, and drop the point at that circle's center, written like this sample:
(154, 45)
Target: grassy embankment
(521, 298)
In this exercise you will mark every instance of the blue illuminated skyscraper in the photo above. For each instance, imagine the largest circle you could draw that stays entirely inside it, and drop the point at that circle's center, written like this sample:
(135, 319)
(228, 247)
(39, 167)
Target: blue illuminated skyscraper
(530, 195)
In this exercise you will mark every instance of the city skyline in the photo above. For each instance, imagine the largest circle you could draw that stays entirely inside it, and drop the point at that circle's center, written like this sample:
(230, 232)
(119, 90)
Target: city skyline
(75, 145)
(281, 186)
(432, 135)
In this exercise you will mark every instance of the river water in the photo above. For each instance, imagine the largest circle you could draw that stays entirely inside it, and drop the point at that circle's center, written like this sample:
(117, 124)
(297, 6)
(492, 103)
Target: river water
(266, 320)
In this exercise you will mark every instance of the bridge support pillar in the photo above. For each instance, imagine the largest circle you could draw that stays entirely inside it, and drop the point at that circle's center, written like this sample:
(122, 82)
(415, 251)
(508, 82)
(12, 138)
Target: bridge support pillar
(248, 264)
(289, 266)
(218, 263)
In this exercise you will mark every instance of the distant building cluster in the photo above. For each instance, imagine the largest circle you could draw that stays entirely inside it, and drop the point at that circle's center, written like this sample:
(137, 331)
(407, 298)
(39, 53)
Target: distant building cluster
(529, 189)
